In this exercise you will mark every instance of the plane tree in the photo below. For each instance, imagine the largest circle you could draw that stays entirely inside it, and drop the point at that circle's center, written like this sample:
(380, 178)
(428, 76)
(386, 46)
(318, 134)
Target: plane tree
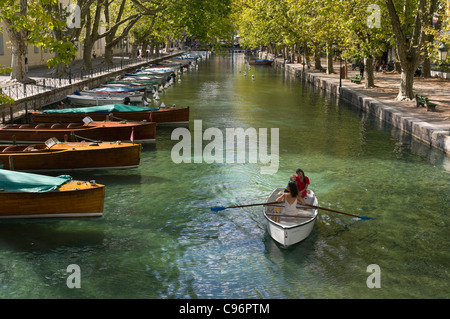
(29, 22)
(409, 20)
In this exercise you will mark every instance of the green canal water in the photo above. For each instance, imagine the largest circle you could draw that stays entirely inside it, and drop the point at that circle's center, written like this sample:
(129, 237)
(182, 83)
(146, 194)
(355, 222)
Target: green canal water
(158, 237)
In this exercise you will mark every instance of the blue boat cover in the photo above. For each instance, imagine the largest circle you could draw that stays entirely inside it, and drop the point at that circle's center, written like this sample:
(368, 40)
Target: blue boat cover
(105, 109)
(12, 181)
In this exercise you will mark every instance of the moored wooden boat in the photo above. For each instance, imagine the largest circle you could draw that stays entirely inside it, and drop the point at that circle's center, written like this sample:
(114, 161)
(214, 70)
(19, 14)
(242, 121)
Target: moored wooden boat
(160, 115)
(70, 156)
(90, 100)
(287, 230)
(99, 131)
(260, 62)
(26, 195)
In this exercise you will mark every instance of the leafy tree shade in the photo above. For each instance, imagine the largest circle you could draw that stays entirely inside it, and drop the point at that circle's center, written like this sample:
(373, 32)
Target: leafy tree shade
(320, 24)
(29, 22)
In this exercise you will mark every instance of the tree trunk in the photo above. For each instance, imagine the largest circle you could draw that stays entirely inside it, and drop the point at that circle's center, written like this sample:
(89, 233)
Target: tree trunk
(145, 44)
(60, 69)
(92, 28)
(329, 59)
(108, 58)
(368, 72)
(397, 67)
(426, 68)
(18, 40)
(87, 62)
(134, 48)
(406, 91)
(317, 54)
(18, 50)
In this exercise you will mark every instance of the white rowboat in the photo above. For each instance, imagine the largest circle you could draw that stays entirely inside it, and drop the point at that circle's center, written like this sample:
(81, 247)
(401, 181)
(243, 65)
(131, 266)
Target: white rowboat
(135, 97)
(286, 230)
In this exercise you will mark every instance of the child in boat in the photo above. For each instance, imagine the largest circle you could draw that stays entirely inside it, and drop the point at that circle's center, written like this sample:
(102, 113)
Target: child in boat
(292, 178)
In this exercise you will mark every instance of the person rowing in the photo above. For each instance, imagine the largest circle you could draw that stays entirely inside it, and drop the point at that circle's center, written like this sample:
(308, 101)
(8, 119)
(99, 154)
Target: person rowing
(290, 199)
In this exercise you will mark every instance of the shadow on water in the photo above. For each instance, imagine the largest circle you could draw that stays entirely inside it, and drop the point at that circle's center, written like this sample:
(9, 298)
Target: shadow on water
(297, 253)
(32, 236)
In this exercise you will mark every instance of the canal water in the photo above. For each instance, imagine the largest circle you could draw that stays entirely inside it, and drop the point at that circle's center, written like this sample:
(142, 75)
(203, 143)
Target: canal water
(158, 237)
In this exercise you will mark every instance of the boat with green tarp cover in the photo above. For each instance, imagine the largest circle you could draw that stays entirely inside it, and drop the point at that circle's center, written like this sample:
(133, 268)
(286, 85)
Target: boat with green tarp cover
(119, 111)
(26, 195)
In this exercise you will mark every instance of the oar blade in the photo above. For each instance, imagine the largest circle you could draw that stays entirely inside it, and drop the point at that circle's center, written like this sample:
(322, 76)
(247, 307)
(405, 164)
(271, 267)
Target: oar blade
(218, 208)
(365, 217)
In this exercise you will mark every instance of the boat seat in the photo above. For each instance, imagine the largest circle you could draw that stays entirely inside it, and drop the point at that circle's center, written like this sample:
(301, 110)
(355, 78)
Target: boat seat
(40, 126)
(30, 148)
(24, 126)
(74, 125)
(11, 148)
(57, 125)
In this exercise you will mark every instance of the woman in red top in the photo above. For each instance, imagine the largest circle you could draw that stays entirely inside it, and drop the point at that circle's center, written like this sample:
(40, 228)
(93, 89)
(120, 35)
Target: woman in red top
(302, 182)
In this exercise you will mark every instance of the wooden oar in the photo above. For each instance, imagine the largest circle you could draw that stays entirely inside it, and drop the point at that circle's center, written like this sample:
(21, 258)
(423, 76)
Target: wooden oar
(219, 208)
(335, 211)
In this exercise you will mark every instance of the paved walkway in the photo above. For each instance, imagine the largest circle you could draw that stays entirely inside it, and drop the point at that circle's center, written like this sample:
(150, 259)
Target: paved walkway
(42, 71)
(386, 90)
(46, 81)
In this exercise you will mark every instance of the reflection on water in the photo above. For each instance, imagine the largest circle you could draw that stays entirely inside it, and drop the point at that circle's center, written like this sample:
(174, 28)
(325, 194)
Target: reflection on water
(158, 237)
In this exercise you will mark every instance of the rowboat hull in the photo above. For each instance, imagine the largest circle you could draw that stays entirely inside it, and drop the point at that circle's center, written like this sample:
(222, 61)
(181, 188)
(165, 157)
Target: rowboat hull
(288, 231)
(74, 199)
(134, 97)
(148, 85)
(128, 85)
(106, 131)
(88, 100)
(70, 156)
(260, 62)
(118, 90)
(162, 116)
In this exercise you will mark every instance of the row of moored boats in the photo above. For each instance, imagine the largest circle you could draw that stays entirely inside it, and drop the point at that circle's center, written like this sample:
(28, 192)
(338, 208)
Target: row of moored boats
(102, 128)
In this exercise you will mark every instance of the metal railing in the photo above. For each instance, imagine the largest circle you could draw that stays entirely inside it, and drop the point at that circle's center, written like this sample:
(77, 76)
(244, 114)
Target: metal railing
(20, 91)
